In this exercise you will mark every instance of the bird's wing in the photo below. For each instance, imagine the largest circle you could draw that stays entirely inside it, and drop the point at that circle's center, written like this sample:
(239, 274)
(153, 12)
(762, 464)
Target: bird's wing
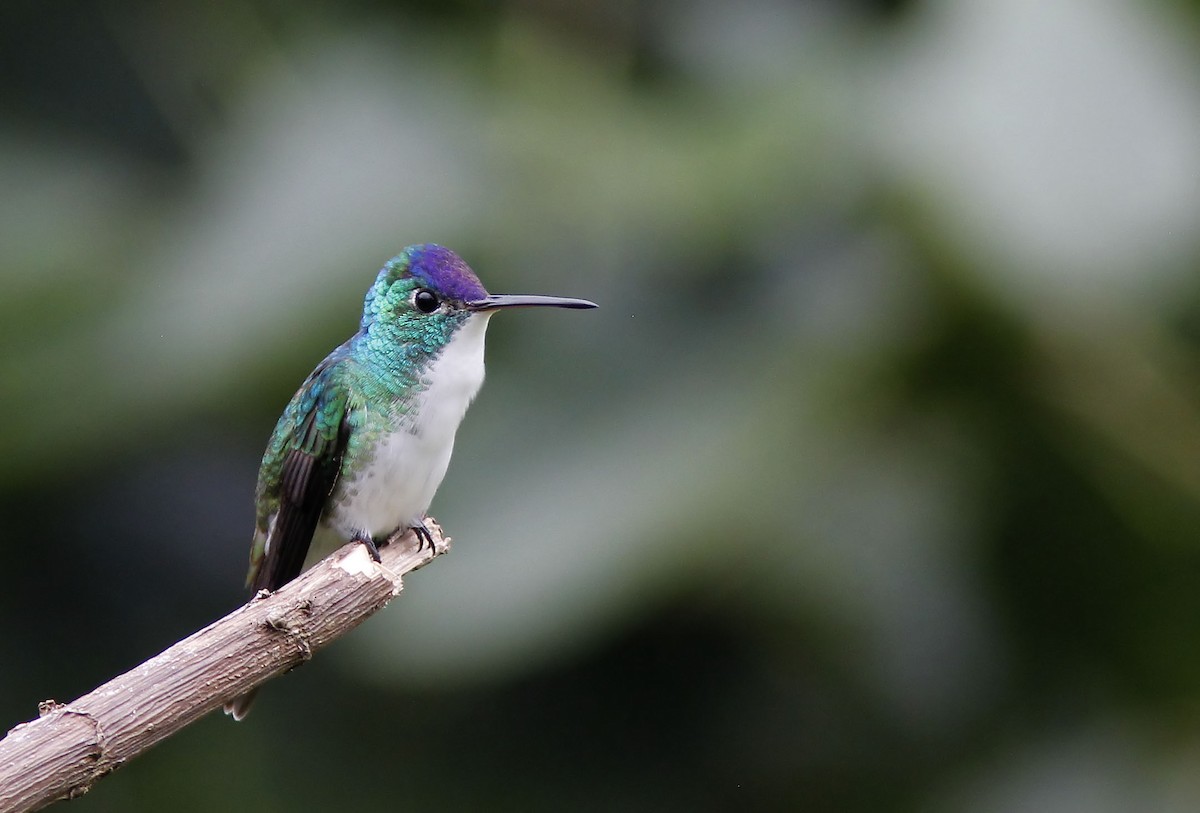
(299, 472)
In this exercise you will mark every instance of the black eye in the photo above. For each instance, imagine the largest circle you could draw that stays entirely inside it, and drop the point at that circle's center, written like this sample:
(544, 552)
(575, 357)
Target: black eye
(425, 300)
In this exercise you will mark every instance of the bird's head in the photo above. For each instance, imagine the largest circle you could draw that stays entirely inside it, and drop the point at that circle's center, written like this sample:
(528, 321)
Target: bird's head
(426, 292)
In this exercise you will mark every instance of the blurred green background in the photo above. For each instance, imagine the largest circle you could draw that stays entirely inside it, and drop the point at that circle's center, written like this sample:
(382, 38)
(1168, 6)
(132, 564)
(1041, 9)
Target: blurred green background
(873, 485)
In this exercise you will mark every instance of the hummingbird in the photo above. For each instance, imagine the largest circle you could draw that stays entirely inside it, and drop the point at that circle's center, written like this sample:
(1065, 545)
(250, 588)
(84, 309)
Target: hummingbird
(364, 443)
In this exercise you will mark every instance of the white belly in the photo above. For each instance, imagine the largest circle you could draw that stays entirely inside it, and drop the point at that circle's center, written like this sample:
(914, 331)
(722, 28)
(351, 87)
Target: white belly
(395, 489)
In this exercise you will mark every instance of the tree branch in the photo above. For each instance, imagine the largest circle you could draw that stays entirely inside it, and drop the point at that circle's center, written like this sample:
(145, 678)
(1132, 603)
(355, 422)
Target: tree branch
(70, 746)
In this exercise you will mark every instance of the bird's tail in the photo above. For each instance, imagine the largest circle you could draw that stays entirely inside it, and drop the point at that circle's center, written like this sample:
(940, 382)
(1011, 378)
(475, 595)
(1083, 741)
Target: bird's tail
(239, 707)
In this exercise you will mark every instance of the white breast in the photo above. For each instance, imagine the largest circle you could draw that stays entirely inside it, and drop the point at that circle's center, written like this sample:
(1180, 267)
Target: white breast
(395, 490)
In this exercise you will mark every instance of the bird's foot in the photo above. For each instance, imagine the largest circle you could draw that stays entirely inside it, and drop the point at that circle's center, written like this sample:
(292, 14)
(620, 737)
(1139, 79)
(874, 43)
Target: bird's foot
(420, 531)
(423, 534)
(369, 541)
(424, 537)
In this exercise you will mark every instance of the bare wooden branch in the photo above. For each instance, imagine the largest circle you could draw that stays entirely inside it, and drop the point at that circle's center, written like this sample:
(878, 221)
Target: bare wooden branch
(70, 746)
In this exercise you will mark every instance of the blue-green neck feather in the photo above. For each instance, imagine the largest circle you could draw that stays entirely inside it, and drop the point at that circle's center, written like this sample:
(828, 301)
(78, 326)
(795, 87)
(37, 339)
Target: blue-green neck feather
(396, 353)
(396, 343)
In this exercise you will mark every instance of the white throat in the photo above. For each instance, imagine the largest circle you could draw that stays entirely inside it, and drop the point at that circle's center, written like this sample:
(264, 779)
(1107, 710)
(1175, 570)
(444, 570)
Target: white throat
(452, 382)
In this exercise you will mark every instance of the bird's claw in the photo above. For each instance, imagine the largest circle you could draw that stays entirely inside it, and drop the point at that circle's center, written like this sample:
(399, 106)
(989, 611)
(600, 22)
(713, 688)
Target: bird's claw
(420, 531)
(424, 537)
(367, 540)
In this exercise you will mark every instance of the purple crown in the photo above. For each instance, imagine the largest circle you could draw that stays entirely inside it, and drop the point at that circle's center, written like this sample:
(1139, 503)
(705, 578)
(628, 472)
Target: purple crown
(443, 271)
(436, 267)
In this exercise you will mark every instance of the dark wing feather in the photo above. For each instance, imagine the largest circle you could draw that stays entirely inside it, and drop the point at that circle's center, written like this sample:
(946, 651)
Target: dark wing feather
(307, 478)
(311, 451)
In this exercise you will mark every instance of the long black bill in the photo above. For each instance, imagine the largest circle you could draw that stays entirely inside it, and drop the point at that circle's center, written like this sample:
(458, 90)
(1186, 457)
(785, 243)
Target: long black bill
(498, 301)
